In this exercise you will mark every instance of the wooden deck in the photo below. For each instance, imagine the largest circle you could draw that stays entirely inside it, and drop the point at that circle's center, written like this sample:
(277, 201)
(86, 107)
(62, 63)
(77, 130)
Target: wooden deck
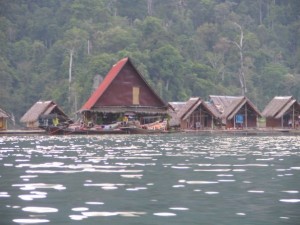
(258, 131)
(21, 132)
(252, 131)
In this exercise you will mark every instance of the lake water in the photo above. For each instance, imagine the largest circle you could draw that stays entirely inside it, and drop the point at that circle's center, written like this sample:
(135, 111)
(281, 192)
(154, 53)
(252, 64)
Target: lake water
(150, 180)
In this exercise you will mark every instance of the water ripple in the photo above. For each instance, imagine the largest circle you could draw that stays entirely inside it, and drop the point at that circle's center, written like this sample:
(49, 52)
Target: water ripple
(30, 221)
(149, 176)
(39, 209)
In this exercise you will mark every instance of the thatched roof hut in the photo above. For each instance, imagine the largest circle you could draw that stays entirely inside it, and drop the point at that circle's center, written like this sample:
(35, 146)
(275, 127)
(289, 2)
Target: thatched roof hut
(3, 119)
(236, 110)
(3, 114)
(40, 108)
(175, 120)
(281, 111)
(194, 114)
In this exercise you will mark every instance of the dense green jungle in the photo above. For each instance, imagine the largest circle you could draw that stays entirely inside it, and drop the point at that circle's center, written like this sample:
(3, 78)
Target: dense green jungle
(60, 49)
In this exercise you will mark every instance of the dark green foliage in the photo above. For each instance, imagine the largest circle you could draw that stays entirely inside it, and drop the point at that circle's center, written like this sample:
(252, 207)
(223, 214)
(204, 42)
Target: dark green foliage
(183, 48)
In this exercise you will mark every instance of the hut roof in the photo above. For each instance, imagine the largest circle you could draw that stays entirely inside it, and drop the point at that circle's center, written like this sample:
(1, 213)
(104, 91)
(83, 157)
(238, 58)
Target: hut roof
(175, 120)
(189, 107)
(212, 108)
(184, 109)
(40, 108)
(114, 94)
(278, 106)
(228, 106)
(192, 104)
(177, 105)
(3, 114)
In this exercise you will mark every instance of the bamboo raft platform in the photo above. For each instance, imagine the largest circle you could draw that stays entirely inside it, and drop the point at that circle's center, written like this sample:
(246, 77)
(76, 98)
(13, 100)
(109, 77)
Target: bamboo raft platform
(251, 131)
(242, 132)
(22, 132)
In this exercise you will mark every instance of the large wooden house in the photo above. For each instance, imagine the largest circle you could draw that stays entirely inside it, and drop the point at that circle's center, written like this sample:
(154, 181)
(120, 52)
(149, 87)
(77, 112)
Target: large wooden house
(123, 93)
(236, 111)
(195, 114)
(48, 110)
(3, 119)
(282, 111)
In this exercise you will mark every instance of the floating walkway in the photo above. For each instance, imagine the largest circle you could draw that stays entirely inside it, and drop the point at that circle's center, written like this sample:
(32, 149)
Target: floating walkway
(22, 132)
(252, 131)
(242, 132)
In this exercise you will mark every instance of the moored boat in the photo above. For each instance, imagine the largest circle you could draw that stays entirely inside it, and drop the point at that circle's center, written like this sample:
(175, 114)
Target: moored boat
(155, 127)
(139, 130)
(74, 129)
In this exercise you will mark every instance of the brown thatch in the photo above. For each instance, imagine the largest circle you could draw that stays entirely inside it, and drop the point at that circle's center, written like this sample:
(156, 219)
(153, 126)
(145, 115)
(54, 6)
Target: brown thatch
(278, 106)
(3, 114)
(212, 108)
(191, 105)
(175, 120)
(41, 108)
(228, 106)
(3, 119)
(184, 109)
(137, 109)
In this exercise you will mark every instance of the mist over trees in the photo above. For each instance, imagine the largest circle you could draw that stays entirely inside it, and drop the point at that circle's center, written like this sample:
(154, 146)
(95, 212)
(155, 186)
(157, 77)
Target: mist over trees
(53, 49)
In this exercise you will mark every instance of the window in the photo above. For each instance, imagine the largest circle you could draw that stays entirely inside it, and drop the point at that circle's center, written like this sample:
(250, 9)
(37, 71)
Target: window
(135, 95)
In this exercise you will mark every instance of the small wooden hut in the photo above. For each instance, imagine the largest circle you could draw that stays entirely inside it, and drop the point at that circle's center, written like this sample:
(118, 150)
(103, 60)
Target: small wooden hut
(174, 122)
(236, 111)
(43, 109)
(123, 93)
(3, 119)
(196, 114)
(282, 111)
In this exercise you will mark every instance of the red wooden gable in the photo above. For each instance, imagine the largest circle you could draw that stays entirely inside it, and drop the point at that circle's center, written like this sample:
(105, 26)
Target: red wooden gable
(123, 86)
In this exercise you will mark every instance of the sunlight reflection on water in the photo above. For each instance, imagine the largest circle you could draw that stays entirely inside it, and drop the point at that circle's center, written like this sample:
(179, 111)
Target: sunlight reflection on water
(150, 179)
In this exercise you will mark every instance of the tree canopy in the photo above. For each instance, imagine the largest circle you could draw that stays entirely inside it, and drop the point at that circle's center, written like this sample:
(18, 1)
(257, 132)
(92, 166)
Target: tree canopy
(52, 49)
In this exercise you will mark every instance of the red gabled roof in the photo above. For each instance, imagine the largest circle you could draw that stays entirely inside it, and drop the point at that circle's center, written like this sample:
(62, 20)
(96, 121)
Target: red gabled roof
(103, 89)
(114, 71)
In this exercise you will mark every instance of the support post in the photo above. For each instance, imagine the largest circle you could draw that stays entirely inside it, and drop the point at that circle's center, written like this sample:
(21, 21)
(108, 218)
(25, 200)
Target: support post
(234, 118)
(246, 116)
(293, 120)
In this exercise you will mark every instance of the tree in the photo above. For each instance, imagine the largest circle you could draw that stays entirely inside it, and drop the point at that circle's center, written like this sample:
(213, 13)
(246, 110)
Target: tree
(166, 66)
(116, 39)
(74, 39)
(240, 45)
(184, 47)
(152, 33)
(272, 79)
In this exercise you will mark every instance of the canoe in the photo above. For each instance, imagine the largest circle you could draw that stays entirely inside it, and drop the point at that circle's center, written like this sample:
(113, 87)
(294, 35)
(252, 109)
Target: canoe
(77, 129)
(140, 130)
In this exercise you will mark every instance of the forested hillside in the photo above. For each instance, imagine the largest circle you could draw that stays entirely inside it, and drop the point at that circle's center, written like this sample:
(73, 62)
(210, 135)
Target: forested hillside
(53, 49)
